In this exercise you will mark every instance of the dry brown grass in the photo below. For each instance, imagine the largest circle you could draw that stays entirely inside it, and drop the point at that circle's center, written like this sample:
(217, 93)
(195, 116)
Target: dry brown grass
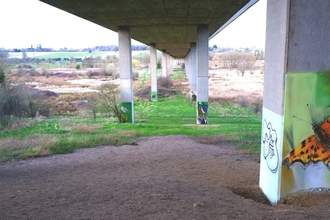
(52, 80)
(37, 143)
(86, 129)
(17, 123)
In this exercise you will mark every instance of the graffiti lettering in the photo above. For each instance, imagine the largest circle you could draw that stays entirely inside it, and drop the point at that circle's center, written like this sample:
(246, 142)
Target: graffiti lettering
(269, 144)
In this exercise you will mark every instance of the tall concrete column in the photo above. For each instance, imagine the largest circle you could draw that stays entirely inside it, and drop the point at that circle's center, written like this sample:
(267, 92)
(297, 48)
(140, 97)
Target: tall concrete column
(192, 68)
(153, 72)
(296, 84)
(187, 66)
(164, 64)
(168, 64)
(126, 79)
(202, 57)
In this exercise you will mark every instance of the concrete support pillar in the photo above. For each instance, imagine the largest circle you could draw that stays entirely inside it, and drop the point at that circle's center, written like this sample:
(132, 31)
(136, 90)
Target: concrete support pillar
(202, 73)
(187, 66)
(168, 65)
(296, 75)
(153, 72)
(164, 64)
(126, 79)
(192, 68)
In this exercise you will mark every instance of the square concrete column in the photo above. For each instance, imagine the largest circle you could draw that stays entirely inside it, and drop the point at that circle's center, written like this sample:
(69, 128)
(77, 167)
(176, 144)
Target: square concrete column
(202, 57)
(168, 65)
(126, 76)
(164, 64)
(296, 107)
(187, 66)
(153, 72)
(192, 68)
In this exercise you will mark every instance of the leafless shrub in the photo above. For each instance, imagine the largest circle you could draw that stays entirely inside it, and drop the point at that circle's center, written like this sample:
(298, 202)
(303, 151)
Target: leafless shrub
(231, 59)
(165, 82)
(91, 103)
(243, 101)
(256, 106)
(246, 62)
(109, 97)
(111, 70)
(241, 61)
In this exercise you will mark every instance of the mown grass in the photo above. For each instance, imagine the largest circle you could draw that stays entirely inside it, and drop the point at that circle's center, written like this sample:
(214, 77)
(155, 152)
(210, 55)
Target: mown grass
(168, 116)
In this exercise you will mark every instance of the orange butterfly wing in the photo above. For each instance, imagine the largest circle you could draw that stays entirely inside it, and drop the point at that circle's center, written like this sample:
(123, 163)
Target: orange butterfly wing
(325, 127)
(311, 149)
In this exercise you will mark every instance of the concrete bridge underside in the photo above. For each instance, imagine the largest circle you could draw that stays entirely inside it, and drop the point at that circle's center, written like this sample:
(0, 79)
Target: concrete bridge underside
(170, 24)
(296, 72)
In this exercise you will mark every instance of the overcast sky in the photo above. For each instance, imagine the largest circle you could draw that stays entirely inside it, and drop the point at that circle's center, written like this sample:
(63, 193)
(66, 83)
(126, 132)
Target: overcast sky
(30, 22)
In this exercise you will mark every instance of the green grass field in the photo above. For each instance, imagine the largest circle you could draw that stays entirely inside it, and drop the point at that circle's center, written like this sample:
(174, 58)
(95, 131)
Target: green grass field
(168, 116)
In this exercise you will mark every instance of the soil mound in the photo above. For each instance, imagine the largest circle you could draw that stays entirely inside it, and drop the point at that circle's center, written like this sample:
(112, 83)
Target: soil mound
(144, 93)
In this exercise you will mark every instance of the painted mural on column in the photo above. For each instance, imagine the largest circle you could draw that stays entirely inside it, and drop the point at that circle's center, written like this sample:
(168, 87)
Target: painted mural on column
(126, 112)
(154, 96)
(202, 111)
(270, 154)
(306, 138)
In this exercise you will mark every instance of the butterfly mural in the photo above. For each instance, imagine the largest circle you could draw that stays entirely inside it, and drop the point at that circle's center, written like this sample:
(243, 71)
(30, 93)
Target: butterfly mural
(313, 149)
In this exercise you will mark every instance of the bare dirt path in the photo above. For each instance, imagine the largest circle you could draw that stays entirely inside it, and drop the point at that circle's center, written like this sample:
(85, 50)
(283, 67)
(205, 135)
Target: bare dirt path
(170, 177)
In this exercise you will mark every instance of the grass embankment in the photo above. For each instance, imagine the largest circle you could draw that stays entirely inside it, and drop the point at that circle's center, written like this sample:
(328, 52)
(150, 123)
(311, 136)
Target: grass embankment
(169, 116)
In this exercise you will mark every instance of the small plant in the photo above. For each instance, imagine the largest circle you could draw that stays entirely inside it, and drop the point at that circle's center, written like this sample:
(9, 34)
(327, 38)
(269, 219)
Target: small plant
(257, 106)
(243, 101)
(159, 64)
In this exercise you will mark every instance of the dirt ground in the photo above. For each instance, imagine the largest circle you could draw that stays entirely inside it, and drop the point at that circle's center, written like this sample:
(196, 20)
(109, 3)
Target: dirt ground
(169, 177)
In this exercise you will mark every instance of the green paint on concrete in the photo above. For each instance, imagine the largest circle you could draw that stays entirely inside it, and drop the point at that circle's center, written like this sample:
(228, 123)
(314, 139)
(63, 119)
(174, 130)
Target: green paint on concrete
(154, 96)
(126, 112)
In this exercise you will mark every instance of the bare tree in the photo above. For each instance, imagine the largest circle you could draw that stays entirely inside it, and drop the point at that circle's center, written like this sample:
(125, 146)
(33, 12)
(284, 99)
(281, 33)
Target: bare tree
(246, 62)
(109, 97)
(92, 103)
(145, 59)
(243, 61)
(231, 59)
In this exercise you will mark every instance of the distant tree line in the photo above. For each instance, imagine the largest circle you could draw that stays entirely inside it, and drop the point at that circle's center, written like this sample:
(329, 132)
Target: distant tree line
(65, 49)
